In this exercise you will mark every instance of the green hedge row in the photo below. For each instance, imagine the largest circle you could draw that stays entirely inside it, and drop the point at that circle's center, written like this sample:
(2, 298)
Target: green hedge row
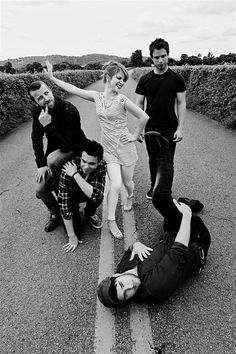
(211, 90)
(15, 104)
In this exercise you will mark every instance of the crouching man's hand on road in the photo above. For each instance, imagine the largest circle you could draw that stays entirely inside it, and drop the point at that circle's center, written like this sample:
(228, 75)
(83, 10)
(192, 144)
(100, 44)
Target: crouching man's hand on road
(141, 250)
(72, 244)
(41, 174)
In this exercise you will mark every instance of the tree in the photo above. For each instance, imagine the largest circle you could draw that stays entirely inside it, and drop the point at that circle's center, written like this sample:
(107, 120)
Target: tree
(126, 63)
(136, 58)
(34, 67)
(194, 60)
(93, 66)
(183, 59)
(148, 62)
(37, 67)
(8, 68)
(209, 59)
(226, 58)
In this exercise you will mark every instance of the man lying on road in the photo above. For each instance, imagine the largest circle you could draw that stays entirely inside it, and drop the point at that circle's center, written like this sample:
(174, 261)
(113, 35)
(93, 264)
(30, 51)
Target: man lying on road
(152, 275)
(82, 180)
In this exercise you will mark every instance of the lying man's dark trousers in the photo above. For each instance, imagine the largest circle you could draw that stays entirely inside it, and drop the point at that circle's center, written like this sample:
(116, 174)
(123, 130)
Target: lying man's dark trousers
(163, 201)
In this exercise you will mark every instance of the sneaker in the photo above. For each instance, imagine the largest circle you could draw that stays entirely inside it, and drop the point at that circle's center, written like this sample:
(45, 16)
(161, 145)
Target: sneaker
(149, 194)
(53, 222)
(94, 221)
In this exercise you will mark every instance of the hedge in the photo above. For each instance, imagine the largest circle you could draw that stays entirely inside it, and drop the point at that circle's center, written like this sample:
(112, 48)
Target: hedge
(16, 105)
(211, 90)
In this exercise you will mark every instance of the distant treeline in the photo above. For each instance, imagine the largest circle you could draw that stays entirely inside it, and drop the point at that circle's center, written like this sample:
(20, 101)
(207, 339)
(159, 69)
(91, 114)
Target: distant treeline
(137, 60)
(97, 62)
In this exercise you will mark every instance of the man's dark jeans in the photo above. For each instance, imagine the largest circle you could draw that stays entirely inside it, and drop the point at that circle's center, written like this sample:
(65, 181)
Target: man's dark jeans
(163, 201)
(90, 208)
(155, 153)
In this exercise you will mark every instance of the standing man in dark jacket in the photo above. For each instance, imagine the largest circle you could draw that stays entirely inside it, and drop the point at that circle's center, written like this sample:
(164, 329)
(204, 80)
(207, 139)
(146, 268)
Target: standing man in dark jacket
(59, 122)
(162, 91)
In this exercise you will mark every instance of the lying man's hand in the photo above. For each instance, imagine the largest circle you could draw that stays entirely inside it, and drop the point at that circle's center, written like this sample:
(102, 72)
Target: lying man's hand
(72, 244)
(183, 208)
(141, 250)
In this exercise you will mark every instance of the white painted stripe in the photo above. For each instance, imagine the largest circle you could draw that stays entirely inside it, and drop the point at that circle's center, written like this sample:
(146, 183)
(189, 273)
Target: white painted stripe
(104, 342)
(140, 326)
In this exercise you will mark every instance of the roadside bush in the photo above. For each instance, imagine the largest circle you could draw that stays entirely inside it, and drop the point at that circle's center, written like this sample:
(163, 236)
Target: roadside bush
(210, 90)
(15, 104)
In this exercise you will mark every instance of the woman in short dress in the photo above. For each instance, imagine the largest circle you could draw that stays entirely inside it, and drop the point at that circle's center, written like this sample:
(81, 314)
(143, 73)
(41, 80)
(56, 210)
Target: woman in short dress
(118, 143)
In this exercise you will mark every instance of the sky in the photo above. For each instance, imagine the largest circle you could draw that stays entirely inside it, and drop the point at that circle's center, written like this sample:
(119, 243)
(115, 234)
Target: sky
(70, 27)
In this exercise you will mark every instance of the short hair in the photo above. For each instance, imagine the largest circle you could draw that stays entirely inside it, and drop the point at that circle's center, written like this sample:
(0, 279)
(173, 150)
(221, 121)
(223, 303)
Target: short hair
(34, 86)
(158, 43)
(112, 68)
(93, 148)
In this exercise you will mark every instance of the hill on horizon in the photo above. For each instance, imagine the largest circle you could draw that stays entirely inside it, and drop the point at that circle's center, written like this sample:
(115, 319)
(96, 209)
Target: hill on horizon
(83, 60)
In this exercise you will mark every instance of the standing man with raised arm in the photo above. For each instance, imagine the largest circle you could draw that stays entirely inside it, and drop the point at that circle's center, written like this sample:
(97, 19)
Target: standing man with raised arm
(162, 91)
(59, 122)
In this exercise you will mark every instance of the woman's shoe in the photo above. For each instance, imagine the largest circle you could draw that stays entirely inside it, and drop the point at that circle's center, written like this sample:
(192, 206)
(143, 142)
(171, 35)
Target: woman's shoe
(114, 230)
(129, 203)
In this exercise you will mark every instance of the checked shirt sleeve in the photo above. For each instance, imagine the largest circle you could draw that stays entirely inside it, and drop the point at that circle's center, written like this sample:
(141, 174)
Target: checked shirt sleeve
(65, 196)
(98, 183)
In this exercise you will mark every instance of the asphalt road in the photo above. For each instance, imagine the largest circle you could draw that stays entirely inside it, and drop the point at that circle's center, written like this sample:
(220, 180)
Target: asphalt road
(48, 297)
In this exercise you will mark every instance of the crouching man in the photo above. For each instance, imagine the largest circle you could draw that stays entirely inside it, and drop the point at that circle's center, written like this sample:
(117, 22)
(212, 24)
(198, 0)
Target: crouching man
(82, 180)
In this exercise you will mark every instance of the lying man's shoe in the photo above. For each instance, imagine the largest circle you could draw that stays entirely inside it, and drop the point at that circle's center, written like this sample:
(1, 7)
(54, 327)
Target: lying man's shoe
(94, 221)
(53, 222)
(194, 204)
(155, 138)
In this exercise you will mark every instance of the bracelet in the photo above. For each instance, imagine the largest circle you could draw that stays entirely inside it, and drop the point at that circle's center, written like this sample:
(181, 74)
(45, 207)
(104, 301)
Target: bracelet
(74, 174)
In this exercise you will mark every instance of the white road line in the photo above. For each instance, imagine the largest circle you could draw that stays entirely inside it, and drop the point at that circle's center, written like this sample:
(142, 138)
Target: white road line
(140, 326)
(104, 342)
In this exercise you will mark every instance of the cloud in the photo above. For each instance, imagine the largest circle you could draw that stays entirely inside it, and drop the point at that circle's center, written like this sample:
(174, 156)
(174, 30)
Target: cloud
(31, 3)
(231, 31)
(209, 7)
(6, 28)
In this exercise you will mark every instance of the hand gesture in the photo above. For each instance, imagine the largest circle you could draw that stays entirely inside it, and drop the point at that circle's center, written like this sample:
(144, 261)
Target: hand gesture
(141, 250)
(69, 168)
(127, 138)
(44, 117)
(183, 208)
(72, 244)
(49, 70)
(178, 135)
(41, 174)
(141, 138)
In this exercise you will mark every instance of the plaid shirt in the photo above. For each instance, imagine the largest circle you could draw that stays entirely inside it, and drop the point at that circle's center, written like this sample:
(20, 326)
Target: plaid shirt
(68, 187)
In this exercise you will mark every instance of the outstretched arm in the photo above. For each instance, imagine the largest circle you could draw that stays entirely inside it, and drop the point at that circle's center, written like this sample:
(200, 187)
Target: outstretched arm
(183, 234)
(87, 95)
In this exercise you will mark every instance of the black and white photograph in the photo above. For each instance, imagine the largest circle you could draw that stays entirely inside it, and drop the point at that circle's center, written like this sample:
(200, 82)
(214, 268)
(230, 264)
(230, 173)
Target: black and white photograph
(117, 177)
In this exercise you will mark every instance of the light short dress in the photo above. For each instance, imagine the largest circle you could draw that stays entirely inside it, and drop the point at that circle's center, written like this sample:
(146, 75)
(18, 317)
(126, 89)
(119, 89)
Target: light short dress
(113, 122)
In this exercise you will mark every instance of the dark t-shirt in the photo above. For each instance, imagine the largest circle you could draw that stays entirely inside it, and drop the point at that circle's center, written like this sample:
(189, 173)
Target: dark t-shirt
(168, 265)
(160, 92)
